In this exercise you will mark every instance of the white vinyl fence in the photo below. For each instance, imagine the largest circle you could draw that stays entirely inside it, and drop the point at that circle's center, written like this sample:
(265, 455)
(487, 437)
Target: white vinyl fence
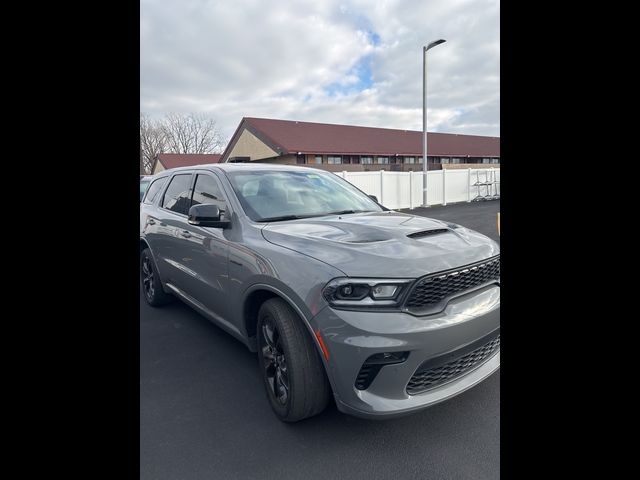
(404, 189)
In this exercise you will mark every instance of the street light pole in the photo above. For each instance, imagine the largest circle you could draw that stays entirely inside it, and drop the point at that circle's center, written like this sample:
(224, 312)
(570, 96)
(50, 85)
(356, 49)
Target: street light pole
(424, 117)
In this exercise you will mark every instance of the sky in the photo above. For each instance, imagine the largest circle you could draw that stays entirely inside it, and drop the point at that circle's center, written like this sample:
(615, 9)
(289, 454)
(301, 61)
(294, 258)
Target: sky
(350, 62)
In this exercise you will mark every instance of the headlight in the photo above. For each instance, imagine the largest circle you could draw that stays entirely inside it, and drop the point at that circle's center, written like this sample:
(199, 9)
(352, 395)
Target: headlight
(384, 291)
(365, 292)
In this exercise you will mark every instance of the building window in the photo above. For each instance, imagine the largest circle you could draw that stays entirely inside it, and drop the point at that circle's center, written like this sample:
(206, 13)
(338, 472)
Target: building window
(355, 159)
(300, 159)
(384, 160)
(318, 159)
(334, 160)
(366, 160)
(495, 160)
(455, 160)
(444, 160)
(409, 159)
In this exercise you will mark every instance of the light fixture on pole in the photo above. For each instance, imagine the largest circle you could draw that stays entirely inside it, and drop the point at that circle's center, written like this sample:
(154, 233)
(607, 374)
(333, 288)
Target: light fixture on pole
(424, 116)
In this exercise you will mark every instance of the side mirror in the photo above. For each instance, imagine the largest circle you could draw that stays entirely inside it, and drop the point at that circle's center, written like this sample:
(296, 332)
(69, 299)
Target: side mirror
(207, 215)
(374, 198)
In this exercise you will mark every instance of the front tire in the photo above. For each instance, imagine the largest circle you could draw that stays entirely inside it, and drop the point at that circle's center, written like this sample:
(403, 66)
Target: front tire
(154, 294)
(291, 367)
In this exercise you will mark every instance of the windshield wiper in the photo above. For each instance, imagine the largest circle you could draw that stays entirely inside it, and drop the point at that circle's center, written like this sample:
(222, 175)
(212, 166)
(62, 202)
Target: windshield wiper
(298, 217)
(285, 217)
(344, 212)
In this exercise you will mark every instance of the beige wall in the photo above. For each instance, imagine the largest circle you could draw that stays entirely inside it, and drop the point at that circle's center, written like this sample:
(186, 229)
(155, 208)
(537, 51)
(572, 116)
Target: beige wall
(158, 167)
(248, 145)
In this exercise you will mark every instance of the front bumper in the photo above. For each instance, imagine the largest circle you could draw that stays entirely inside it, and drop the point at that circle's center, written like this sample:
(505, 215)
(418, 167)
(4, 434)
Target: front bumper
(352, 337)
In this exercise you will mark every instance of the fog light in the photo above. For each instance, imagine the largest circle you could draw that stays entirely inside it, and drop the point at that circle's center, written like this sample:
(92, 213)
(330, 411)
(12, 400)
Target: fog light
(387, 358)
(352, 291)
(384, 291)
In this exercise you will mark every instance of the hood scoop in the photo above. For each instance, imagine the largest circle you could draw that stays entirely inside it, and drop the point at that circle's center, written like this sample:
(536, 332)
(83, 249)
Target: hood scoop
(367, 240)
(428, 233)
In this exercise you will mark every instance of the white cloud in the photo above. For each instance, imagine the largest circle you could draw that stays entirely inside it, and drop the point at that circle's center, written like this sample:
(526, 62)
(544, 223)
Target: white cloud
(355, 62)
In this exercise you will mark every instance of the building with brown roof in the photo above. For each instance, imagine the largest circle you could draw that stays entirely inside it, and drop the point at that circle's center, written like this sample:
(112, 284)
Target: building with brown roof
(165, 161)
(352, 148)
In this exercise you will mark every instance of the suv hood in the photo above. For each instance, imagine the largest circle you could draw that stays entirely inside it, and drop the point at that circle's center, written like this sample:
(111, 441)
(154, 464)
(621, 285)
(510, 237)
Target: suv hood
(377, 244)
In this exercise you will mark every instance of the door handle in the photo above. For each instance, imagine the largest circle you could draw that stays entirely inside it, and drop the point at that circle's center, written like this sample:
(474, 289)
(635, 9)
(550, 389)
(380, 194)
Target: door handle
(185, 233)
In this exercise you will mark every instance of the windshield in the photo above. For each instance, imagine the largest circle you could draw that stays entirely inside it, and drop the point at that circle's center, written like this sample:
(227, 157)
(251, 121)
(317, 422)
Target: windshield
(143, 187)
(270, 195)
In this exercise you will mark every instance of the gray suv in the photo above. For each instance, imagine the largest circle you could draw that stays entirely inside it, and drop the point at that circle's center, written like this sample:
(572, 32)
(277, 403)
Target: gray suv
(386, 312)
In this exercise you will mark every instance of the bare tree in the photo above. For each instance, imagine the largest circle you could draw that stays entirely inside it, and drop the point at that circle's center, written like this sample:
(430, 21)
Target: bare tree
(177, 133)
(152, 141)
(142, 170)
(192, 133)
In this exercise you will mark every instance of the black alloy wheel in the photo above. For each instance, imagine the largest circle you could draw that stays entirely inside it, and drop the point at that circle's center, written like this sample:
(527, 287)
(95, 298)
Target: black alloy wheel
(147, 278)
(292, 370)
(275, 362)
(154, 294)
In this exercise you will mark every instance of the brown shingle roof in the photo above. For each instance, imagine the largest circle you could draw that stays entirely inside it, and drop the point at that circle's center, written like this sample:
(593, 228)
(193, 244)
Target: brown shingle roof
(307, 137)
(173, 160)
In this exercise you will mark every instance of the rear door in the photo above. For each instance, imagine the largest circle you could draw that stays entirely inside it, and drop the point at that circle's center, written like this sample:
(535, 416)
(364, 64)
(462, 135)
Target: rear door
(206, 250)
(170, 231)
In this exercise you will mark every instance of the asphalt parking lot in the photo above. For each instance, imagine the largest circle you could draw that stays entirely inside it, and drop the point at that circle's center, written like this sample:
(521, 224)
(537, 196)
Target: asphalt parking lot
(204, 412)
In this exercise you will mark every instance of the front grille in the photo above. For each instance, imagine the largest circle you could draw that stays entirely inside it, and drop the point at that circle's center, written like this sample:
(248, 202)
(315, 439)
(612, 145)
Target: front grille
(429, 376)
(431, 291)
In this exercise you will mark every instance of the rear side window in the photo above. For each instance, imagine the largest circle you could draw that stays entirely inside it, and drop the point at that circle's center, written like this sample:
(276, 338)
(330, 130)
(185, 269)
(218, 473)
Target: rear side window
(177, 197)
(143, 188)
(207, 190)
(154, 188)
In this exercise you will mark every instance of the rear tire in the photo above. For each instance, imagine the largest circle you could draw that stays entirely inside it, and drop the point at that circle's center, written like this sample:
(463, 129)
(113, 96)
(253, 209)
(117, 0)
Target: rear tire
(154, 294)
(292, 370)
